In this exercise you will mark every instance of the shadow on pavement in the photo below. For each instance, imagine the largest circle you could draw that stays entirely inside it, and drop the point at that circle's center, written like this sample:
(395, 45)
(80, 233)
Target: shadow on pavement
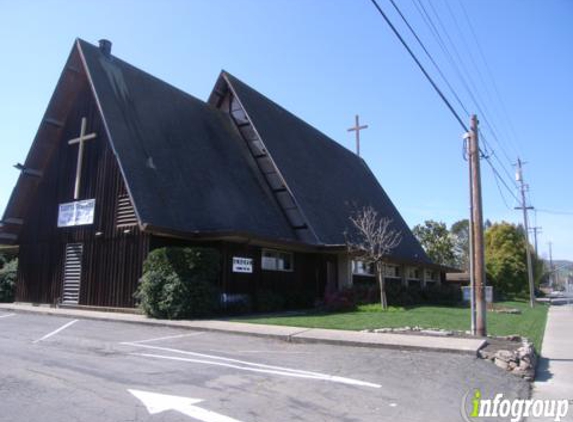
(542, 373)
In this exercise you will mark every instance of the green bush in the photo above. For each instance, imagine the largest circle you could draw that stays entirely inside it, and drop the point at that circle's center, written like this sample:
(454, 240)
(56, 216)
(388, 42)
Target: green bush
(299, 299)
(269, 301)
(238, 305)
(180, 283)
(8, 276)
(442, 294)
(341, 301)
(400, 295)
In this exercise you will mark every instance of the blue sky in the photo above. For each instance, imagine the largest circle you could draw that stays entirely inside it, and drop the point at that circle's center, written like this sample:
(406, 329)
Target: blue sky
(326, 61)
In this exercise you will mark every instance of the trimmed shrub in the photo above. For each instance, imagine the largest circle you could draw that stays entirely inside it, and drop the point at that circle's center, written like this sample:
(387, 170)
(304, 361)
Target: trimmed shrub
(180, 283)
(8, 276)
(399, 295)
(341, 301)
(269, 301)
(298, 299)
(442, 294)
(238, 306)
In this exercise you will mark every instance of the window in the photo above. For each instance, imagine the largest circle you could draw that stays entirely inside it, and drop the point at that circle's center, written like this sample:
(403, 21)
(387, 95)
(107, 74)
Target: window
(362, 268)
(392, 271)
(238, 113)
(413, 273)
(276, 260)
(431, 275)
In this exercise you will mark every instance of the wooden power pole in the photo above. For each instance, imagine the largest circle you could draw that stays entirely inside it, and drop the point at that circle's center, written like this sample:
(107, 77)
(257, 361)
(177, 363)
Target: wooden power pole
(525, 208)
(478, 266)
(551, 268)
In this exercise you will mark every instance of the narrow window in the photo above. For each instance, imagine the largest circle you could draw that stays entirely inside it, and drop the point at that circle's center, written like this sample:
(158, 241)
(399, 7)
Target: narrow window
(362, 268)
(273, 260)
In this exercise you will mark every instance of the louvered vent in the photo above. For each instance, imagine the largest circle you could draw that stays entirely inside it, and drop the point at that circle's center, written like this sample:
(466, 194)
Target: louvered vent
(72, 273)
(125, 212)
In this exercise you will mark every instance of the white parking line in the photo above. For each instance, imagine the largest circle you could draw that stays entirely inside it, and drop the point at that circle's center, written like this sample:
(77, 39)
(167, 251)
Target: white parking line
(247, 366)
(7, 315)
(167, 337)
(63, 327)
(287, 372)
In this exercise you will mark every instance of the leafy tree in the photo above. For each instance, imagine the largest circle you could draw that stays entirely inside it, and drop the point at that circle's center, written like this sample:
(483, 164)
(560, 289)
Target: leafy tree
(8, 276)
(506, 259)
(460, 232)
(436, 241)
(372, 240)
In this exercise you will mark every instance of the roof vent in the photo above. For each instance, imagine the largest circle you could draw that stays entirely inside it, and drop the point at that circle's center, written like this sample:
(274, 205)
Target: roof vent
(105, 47)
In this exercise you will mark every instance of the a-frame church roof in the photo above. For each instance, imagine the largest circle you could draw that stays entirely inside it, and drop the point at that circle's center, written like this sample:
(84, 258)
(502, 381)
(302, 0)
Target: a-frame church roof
(188, 171)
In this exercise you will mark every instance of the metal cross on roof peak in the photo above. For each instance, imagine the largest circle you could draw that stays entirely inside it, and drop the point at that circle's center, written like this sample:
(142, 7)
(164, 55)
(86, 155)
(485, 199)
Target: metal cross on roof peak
(357, 128)
(81, 141)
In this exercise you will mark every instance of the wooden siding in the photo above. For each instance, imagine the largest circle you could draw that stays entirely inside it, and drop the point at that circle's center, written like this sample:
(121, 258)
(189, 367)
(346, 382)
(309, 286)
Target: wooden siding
(309, 270)
(112, 256)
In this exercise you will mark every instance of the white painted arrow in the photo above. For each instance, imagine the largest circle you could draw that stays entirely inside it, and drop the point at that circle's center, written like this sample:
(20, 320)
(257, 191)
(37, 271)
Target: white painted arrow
(157, 403)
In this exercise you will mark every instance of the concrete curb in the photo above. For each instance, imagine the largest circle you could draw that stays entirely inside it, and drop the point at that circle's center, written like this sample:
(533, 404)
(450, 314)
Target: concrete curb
(284, 333)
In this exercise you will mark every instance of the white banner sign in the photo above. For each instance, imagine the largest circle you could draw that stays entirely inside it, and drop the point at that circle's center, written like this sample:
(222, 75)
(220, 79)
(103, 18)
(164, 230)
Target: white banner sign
(466, 290)
(77, 213)
(242, 265)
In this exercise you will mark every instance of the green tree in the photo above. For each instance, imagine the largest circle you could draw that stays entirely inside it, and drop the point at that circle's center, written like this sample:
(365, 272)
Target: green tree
(460, 232)
(506, 259)
(436, 241)
(8, 276)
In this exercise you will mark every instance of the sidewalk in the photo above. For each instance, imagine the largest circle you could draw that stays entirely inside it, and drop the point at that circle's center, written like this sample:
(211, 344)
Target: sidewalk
(292, 334)
(555, 369)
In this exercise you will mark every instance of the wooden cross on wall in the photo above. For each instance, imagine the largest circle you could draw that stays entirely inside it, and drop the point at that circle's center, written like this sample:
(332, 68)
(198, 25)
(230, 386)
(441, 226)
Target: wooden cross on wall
(81, 141)
(357, 128)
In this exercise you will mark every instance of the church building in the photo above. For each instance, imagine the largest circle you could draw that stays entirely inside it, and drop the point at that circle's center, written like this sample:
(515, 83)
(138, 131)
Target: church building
(124, 163)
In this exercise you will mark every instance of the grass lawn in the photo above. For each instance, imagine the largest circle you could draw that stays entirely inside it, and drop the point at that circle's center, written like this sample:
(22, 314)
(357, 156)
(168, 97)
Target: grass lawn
(530, 323)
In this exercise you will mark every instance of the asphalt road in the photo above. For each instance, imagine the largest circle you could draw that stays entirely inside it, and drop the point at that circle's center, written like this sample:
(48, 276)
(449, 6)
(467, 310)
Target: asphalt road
(60, 369)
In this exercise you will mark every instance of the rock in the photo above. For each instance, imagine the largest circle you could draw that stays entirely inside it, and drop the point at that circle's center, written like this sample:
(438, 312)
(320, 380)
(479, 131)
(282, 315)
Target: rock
(501, 364)
(512, 365)
(513, 337)
(443, 333)
(504, 355)
(484, 354)
(524, 365)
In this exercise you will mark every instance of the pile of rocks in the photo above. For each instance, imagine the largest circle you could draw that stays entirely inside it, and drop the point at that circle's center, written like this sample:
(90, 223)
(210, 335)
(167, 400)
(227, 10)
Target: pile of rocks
(414, 330)
(520, 361)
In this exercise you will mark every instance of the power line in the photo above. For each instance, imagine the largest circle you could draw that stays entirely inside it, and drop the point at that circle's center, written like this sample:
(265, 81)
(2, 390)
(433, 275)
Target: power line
(471, 86)
(460, 70)
(430, 57)
(436, 88)
(490, 75)
(496, 173)
(428, 77)
(554, 212)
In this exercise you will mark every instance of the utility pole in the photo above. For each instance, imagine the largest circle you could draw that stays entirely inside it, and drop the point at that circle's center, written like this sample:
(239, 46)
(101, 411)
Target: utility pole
(478, 266)
(552, 278)
(536, 230)
(524, 207)
(357, 128)
(471, 241)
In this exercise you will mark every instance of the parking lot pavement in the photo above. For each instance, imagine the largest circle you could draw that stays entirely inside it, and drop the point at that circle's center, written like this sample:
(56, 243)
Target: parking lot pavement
(66, 369)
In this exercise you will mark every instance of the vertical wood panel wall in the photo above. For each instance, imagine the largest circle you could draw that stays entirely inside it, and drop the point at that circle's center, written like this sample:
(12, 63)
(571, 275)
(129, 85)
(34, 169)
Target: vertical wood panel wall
(112, 260)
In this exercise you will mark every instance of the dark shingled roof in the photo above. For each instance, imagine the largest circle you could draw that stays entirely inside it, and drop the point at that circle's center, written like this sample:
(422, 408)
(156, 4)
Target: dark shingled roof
(328, 181)
(185, 166)
(189, 172)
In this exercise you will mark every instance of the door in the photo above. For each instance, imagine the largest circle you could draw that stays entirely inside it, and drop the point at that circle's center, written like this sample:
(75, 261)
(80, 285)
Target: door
(72, 273)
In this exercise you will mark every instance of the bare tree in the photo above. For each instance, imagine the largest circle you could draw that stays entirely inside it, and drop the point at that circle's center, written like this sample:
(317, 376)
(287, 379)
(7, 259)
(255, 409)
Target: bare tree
(371, 242)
